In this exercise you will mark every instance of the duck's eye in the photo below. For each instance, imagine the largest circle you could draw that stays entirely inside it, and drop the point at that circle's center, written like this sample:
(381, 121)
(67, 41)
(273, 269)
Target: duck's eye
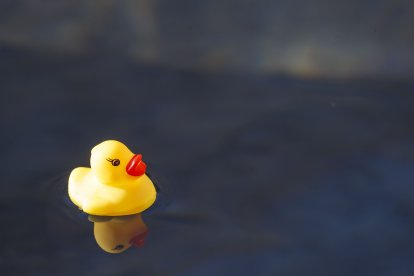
(114, 162)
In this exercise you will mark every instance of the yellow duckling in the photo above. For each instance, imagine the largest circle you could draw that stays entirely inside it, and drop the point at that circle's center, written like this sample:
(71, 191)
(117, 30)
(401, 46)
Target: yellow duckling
(115, 185)
(116, 236)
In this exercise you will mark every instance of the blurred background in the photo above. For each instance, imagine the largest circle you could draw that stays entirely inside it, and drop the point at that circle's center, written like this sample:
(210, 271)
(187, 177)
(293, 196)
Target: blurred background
(280, 133)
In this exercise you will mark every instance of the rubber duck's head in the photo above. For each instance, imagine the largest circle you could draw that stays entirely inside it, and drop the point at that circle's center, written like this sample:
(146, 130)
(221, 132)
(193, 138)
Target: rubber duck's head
(113, 163)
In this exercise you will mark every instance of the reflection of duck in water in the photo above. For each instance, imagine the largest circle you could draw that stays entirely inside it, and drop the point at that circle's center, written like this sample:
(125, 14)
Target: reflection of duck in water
(117, 235)
(114, 192)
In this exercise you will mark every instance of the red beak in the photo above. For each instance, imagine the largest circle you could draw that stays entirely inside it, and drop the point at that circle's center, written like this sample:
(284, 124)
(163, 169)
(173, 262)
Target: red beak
(136, 167)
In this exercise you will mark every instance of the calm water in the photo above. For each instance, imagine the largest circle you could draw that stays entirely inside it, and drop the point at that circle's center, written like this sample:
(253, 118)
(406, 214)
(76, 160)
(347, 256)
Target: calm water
(258, 175)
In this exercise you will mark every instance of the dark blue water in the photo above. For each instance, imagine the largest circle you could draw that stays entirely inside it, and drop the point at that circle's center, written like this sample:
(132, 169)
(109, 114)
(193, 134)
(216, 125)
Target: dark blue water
(259, 175)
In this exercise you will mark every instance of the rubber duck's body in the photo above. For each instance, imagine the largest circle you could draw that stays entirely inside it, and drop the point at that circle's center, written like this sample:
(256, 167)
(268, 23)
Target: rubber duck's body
(115, 185)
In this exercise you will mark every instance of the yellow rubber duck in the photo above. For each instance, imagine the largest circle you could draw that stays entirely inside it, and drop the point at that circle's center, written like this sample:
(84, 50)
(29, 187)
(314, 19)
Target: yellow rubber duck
(115, 185)
(116, 236)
